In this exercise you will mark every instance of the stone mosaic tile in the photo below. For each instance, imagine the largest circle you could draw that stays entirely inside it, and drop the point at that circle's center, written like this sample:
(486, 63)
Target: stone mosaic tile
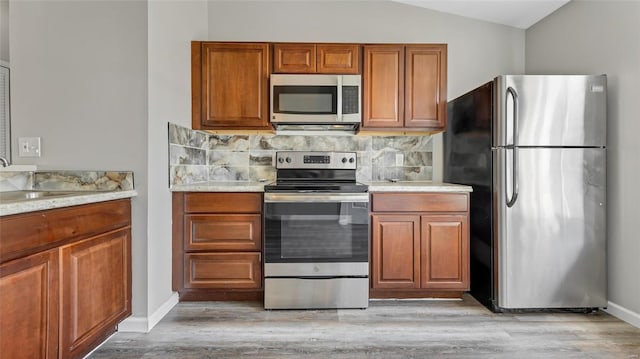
(16, 181)
(260, 173)
(187, 137)
(188, 174)
(402, 143)
(418, 159)
(180, 155)
(224, 173)
(229, 158)
(229, 142)
(364, 174)
(262, 158)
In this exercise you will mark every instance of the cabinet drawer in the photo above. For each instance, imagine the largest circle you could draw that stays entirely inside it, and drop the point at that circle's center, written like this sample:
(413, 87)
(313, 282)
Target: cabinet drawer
(23, 234)
(223, 232)
(419, 202)
(223, 202)
(223, 270)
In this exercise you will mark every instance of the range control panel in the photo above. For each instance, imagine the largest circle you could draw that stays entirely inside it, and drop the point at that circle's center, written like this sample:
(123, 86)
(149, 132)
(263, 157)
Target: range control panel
(322, 160)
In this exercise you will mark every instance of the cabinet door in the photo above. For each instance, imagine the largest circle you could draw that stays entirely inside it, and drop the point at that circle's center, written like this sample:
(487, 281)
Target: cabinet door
(96, 290)
(425, 83)
(223, 232)
(29, 307)
(445, 252)
(294, 58)
(223, 270)
(395, 251)
(229, 83)
(383, 83)
(338, 58)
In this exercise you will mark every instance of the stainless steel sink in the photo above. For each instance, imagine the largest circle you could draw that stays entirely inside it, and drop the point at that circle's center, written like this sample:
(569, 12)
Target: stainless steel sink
(20, 196)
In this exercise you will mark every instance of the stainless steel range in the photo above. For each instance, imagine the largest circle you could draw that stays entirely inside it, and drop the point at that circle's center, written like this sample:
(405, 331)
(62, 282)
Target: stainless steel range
(316, 220)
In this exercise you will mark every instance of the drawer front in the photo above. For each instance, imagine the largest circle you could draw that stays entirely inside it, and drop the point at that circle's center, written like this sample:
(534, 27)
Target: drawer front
(420, 202)
(223, 202)
(223, 270)
(233, 232)
(23, 234)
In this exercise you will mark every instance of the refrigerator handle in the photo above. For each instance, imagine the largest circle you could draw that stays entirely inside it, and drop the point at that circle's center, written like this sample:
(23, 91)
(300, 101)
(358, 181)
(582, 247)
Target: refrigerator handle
(514, 177)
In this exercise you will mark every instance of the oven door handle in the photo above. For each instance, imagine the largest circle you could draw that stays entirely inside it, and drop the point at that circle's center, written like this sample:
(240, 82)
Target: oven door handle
(315, 197)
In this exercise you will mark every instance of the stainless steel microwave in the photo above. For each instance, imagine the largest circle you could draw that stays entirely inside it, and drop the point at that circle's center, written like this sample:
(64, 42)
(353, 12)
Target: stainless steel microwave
(316, 102)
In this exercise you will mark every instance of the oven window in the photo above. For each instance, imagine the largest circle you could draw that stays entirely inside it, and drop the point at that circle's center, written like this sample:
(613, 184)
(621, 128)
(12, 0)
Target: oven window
(316, 232)
(314, 100)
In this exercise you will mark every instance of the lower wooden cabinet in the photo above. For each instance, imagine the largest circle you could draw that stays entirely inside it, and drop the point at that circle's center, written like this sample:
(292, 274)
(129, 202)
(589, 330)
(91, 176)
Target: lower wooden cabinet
(96, 290)
(71, 283)
(29, 307)
(217, 246)
(416, 253)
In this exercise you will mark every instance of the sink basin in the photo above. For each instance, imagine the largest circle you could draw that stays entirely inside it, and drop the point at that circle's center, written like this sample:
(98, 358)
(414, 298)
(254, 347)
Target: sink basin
(19, 196)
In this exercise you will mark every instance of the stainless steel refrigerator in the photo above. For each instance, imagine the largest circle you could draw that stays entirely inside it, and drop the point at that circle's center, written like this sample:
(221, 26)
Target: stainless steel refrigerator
(534, 150)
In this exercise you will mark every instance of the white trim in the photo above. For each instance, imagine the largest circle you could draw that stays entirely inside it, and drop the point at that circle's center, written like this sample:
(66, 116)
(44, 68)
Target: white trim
(163, 310)
(623, 313)
(145, 324)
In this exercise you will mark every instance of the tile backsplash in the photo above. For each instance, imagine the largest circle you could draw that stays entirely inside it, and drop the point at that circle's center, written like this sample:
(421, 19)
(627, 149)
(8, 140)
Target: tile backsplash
(197, 156)
(66, 180)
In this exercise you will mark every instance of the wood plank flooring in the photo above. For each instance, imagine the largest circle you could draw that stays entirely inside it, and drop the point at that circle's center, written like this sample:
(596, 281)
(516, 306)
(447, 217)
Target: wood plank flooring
(387, 329)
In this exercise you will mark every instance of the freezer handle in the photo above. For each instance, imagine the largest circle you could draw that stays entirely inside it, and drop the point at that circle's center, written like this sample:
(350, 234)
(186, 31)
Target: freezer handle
(514, 172)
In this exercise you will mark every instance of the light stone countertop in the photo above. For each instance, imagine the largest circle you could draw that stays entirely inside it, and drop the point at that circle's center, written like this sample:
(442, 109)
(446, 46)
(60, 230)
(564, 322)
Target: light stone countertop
(417, 186)
(41, 204)
(401, 186)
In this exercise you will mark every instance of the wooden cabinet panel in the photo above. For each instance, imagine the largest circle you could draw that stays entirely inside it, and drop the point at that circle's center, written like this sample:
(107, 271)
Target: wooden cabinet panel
(445, 252)
(338, 59)
(198, 202)
(230, 85)
(419, 202)
(223, 270)
(425, 94)
(405, 87)
(223, 232)
(396, 251)
(29, 307)
(294, 58)
(96, 290)
(36, 231)
(383, 83)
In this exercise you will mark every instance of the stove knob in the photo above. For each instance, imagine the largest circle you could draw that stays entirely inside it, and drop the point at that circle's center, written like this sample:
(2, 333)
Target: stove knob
(288, 159)
(351, 160)
(280, 159)
(344, 160)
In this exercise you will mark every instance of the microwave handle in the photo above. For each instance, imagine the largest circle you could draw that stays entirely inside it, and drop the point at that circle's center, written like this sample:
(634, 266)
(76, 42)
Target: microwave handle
(339, 95)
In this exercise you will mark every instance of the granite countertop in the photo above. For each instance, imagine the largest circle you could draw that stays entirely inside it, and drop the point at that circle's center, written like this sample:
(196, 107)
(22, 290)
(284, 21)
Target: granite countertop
(40, 204)
(401, 186)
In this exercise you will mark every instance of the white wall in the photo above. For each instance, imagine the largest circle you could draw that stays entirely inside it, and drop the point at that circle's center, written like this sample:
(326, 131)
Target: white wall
(598, 37)
(172, 26)
(477, 50)
(4, 30)
(79, 81)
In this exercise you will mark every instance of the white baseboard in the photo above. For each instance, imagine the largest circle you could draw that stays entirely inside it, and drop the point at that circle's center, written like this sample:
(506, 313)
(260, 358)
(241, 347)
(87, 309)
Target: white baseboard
(145, 324)
(623, 313)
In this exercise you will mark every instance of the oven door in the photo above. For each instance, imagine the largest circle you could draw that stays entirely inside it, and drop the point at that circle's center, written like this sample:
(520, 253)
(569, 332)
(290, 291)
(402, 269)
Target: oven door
(316, 227)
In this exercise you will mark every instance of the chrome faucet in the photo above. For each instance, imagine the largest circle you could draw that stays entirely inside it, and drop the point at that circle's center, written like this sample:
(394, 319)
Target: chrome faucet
(4, 162)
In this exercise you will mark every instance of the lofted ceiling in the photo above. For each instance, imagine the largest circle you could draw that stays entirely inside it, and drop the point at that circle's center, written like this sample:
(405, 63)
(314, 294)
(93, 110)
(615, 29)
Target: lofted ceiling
(517, 13)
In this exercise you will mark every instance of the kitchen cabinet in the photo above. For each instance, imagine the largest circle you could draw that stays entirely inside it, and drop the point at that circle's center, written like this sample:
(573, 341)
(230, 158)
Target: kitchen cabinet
(420, 244)
(405, 87)
(65, 279)
(294, 58)
(229, 85)
(217, 246)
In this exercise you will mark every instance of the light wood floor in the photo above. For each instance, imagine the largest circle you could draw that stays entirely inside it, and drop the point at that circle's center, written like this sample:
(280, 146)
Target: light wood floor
(387, 329)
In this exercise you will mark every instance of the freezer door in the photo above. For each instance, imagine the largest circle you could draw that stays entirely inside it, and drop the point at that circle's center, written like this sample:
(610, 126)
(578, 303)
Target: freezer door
(550, 110)
(550, 245)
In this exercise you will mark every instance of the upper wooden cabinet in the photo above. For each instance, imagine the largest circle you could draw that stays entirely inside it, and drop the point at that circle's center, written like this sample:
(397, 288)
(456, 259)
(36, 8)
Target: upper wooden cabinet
(229, 85)
(295, 58)
(405, 87)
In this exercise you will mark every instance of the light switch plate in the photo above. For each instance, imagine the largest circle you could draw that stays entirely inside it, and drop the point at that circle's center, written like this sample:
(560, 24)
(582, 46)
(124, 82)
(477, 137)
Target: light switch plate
(399, 159)
(29, 146)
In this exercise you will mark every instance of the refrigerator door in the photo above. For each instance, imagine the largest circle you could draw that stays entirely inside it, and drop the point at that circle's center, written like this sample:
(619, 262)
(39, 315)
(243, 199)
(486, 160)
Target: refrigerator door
(550, 110)
(550, 247)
